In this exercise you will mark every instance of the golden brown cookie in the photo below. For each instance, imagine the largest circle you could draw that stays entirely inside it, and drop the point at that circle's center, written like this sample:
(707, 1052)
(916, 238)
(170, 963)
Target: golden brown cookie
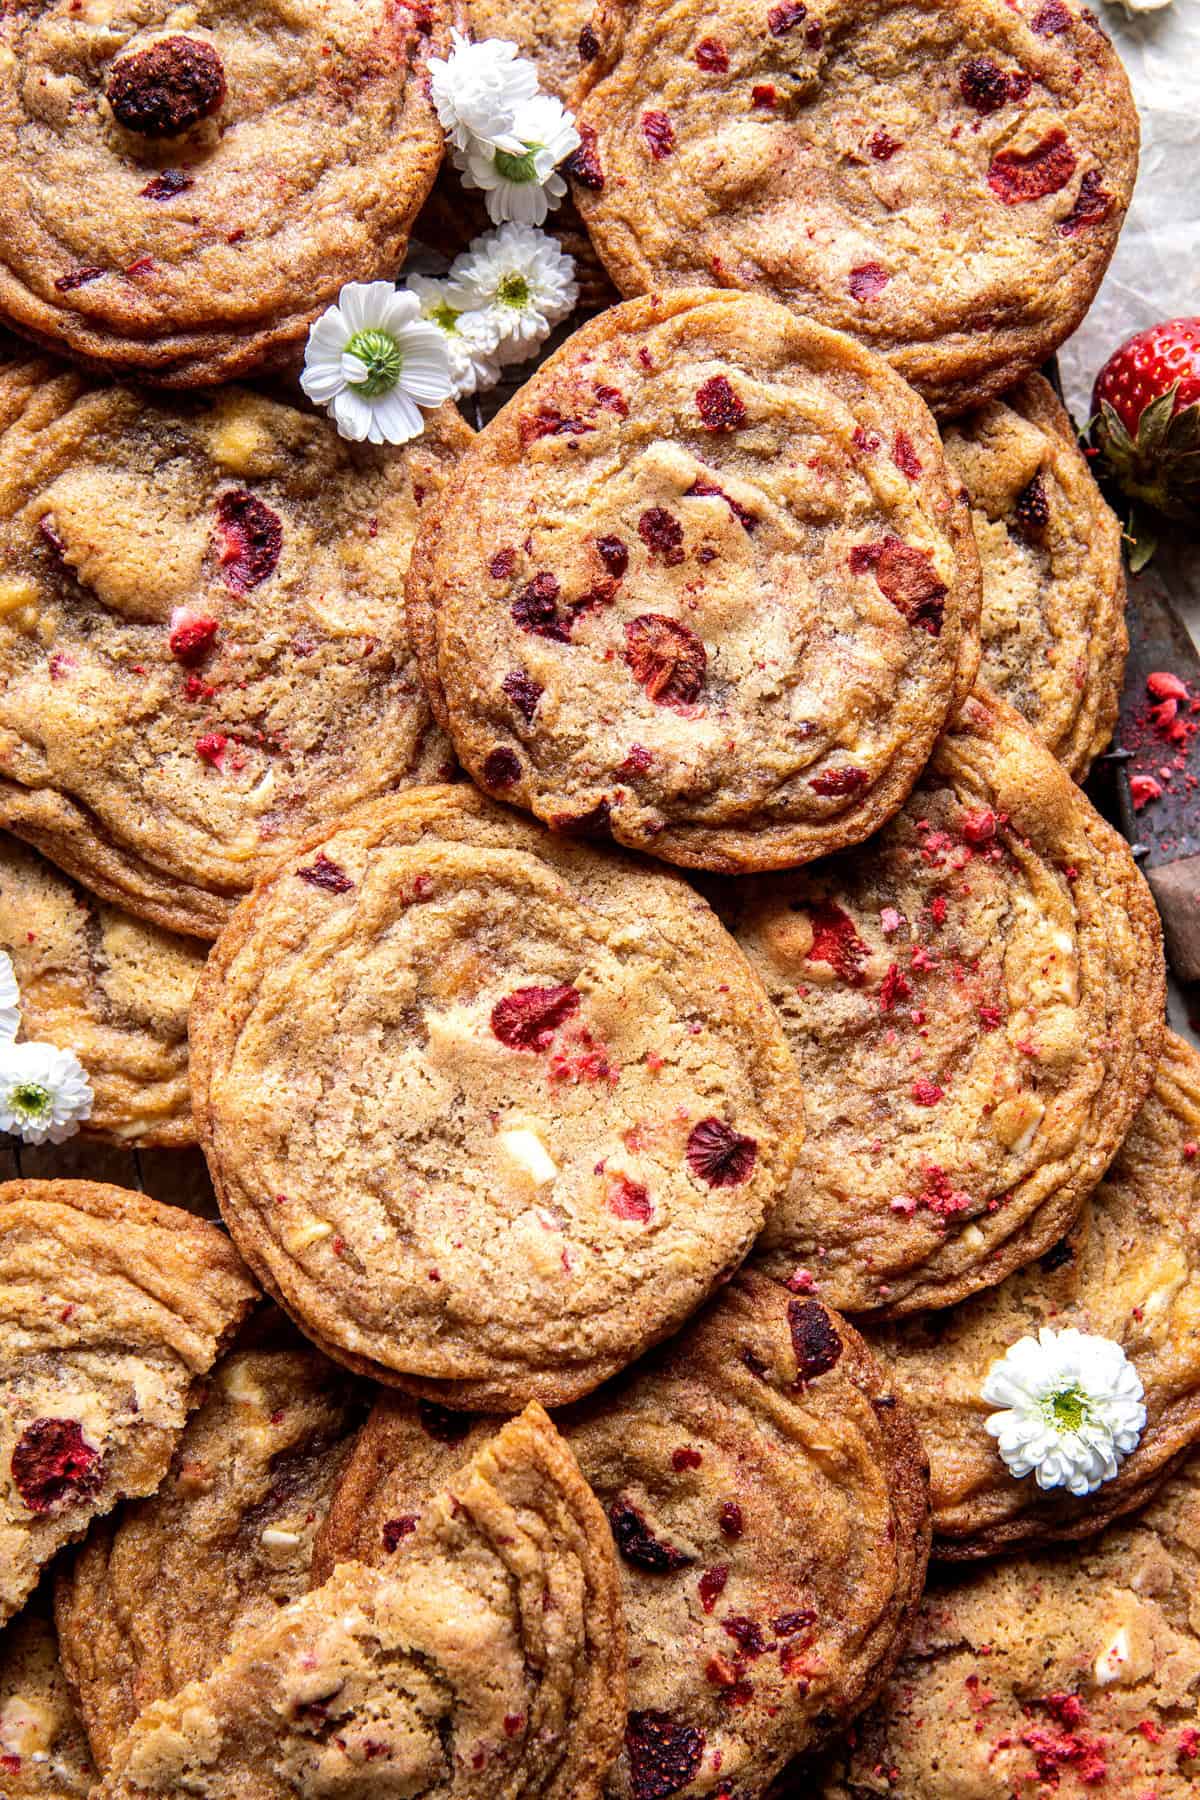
(95, 980)
(1130, 1271)
(748, 1640)
(553, 34)
(944, 181)
(975, 1000)
(43, 1748)
(155, 1600)
(1073, 1675)
(489, 1112)
(202, 653)
(489, 1659)
(705, 583)
(1053, 618)
(112, 1308)
(187, 189)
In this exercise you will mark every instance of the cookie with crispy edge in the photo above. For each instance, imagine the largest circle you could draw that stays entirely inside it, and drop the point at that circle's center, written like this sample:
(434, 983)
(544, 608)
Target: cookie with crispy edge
(705, 583)
(749, 1641)
(43, 1746)
(114, 989)
(945, 182)
(184, 196)
(975, 1000)
(489, 1657)
(487, 1111)
(112, 1310)
(1053, 618)
(202, 650)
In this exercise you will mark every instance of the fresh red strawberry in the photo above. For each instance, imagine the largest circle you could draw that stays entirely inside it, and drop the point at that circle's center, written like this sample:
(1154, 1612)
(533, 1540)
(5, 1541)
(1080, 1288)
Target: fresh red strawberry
(1147, 424)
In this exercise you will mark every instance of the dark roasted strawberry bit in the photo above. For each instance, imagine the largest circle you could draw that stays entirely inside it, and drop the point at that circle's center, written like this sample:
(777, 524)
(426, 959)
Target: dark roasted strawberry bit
(664, 1754)
(166, 88)
(192, 639)
(712, 1585)
(396, 1530)
(589, 45)
(1017, 176)
(250, 538)
(584, 163)
(211, 748)
(816, 1343)
(719, 406)
(706, 488)
(326, 874)
(814, 34)
(78, 278)
(747, 1634)
(836, 942)
(595, 822)
(712, 55)
(524, 692)
(53, 1466)
(686, 1458)
(546, 422)
(49, 536)
(638, 1544)
(666, 658)
(1051, 18)
(535, 609)
(907, 577)
(883, 146)
(983, 84)
(167, 185)
(730, 1521)
(502, 565)
(868, 281)
(789, 1623)
(629, 1199)
(905, 457)
(662, 534)
(719, 1155)
(1093, 203)
(528, 1018)
(1031, 513)
(613, 399)
(762, 95)
(442, 1423)
(847, 779)
(501, 767)
(659, 134)
(781, 19)
(614, 554)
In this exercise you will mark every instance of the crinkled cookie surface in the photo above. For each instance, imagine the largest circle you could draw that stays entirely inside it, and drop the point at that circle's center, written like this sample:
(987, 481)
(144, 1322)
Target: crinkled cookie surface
(705, 584)
(943, 181)
(43, 1747)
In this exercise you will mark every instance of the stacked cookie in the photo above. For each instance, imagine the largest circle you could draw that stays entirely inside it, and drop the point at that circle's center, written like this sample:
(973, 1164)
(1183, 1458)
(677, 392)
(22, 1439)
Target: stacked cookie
(610, 896)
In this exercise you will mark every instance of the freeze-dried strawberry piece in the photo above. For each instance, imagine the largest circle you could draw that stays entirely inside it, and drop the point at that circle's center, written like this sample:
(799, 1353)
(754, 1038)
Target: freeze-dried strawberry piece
(638, 1544)
(323, 873)
(192, 639)
(883, 146)
(250, 539)
(535, 609)
(814, 1339)
(939, 1193)
(905, 457)
(629, 1199)
(712, 55)
(686, 1458)
(502, 565)
(1093, 203)
(868, 281)
(719, 406)
(659, 134)
(1017, 176)
(1031, 512)
(528, 1018)
(844, 780)
(720, 1155)
(614, 554)
(763, 95)
(983, 84)
(167, 185)
(524, 692)
(396, 1530)
(583, 164)
(836, 942)
(589, 45)
(781, 19)
(546, 422)
(712, 1585)
(595, 822)
(662, 534)
(979, 826)
(1050, 19)
(637, 760)
(501, 767)
(926, 1093)
(663, 1753)
(211, 748)
(746, 1633)
(53, 1466)
(666, 658)
(789, 1623)
(614, 399)
(706, 488)
(166, 88)
(907, 577)
(895, 987)
(442, 1423)
(729, 1519)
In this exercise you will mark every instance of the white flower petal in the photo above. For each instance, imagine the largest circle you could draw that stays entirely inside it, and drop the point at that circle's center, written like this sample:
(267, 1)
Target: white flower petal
(10, 998)
(352, 415)
(1031, 1436)
(44, 1092)
(396, 418)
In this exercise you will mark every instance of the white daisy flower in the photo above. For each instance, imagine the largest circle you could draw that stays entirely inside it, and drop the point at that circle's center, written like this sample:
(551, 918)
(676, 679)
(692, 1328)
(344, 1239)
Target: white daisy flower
(471, 335)
(372, 362)
(477, 89)
(10, 999)
(522, 183)
(44, 1092)
(523, 280)
(1073, 1408)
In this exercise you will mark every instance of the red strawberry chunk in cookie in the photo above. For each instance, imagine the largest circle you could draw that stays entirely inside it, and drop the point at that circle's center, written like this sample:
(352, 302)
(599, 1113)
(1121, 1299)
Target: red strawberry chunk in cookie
(53, 1466)
(1018, 176)
(666, 658)
(528, 1018)
(250, 539)
(719, 1155)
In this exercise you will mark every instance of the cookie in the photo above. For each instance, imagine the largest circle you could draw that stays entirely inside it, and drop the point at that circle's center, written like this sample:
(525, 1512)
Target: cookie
(112, 1309)
(1053, 618)
(203, 652)
(975, 1000)
(748, 1641)
(488, 1659)
(185, 192)
(1070, 1673)
(1129, 1270)
(95, 980)
(43, 1748)
(945, 183)
(705, 583)
(553, 34)
(154, 1601)
(489, 1112)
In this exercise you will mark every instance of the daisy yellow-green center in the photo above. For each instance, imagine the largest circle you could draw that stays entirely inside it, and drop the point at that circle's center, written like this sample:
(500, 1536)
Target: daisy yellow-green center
(513, 291)
(445, 317)
(30, 1098)
(1068, 1409)
(521, 168)
(381, 354)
